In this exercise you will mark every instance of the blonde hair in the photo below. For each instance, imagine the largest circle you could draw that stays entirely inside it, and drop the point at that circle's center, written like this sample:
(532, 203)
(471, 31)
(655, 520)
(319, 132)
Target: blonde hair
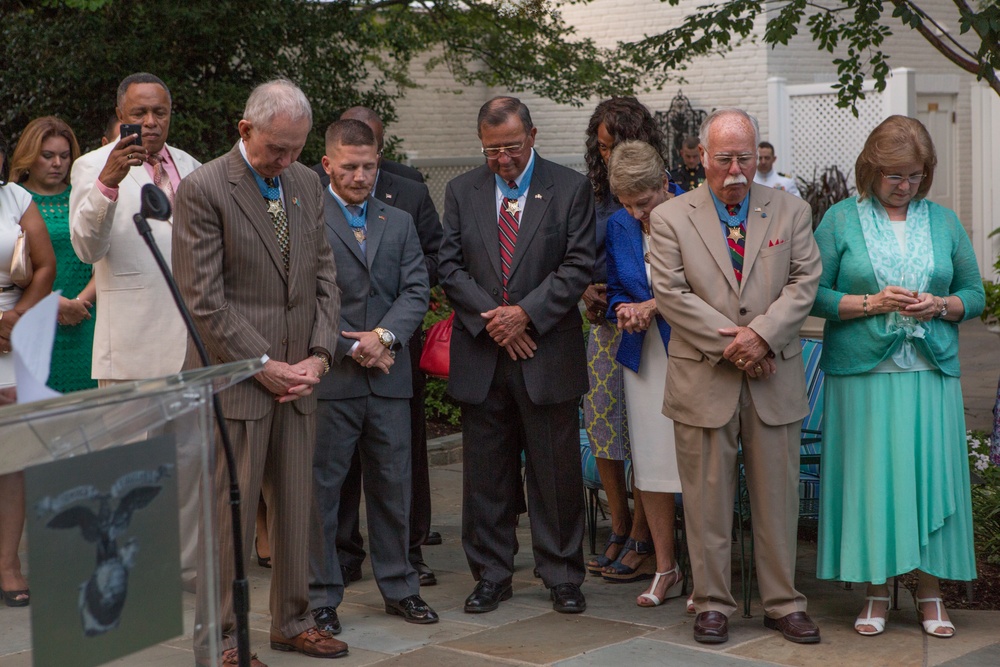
(635, 167)
(897, 140)
(29, 145)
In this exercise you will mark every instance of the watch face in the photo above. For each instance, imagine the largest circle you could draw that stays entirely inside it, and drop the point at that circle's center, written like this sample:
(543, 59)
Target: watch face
(385, 337)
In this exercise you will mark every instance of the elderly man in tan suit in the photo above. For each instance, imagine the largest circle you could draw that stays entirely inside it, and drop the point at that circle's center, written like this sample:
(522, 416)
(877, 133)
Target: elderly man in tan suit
(253, 264)
(735, 271)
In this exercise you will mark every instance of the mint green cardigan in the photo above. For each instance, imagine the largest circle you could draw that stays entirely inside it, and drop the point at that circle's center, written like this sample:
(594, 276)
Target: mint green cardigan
(859, 345)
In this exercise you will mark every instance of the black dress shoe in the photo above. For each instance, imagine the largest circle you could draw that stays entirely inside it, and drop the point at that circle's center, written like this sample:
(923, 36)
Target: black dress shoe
(568, 599)
(425, 573)
(350, 574)
(412, 609)
(433, 539)
(326, 620)
(487, 596)
(711, 627)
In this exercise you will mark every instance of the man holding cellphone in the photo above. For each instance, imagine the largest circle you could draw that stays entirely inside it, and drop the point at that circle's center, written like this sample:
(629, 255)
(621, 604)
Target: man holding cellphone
(139, 333)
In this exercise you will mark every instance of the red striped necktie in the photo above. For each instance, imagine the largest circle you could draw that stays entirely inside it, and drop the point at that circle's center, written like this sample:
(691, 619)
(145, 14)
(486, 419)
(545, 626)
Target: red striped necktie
(736, 241)
(508, 223)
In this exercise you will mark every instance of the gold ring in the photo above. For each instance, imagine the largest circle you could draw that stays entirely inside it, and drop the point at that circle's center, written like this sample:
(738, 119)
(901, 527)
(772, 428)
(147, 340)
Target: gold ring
(361, 357)
(740, 362)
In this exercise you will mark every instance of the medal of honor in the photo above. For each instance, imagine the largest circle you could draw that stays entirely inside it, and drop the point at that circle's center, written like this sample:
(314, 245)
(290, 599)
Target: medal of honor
(735, 234)
(273, 206)
(512, 206)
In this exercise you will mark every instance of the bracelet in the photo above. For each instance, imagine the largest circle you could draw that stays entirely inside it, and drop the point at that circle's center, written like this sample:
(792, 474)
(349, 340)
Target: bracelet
(944, 307)
(326, 362)
(864, 304)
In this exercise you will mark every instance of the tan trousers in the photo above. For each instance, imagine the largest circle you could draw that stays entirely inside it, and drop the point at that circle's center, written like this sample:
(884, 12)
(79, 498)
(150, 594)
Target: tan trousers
(706, 460)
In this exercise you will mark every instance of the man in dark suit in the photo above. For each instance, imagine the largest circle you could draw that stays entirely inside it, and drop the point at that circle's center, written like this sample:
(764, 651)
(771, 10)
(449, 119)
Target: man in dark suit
(364, 402)
(517, 254)
(259, 277)
(414, 198)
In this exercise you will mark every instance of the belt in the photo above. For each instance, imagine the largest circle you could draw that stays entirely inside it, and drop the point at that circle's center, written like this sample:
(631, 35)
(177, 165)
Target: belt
(8, 288)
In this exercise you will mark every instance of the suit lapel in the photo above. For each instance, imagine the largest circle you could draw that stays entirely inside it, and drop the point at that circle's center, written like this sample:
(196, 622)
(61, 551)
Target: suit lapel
(537, 201)
(759, 219)
(484, 206)
(335, 220)
(254, 207)
(386, 190)
(375, 221)
(705, 220)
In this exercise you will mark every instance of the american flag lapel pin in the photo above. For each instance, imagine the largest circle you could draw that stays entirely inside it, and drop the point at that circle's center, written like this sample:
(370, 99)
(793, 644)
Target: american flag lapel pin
(295, 201)
(757, 210)
(381, 217)
(388, 195)
(538, 196)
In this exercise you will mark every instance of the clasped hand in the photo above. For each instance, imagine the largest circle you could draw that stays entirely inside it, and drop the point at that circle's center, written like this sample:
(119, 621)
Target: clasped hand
(370, 352)
(73, 311)
(749, 352)
(595, 298)
(635, 317)
(507, 326)
(290, 382)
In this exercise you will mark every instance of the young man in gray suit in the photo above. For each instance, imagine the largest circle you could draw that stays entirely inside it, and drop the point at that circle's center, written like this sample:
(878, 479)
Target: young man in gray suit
(364, 401)
(517, 254)
(253, 265)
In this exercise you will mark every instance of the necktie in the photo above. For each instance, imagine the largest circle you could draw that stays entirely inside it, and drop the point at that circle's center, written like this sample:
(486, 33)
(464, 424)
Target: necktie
(508, 224)
(736, 241)
(161, 178)
(278, 217)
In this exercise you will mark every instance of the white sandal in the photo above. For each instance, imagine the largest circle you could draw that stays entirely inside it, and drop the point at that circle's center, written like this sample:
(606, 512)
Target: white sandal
(932, 626)
(877, 622)
(690, 605)
(672, 592)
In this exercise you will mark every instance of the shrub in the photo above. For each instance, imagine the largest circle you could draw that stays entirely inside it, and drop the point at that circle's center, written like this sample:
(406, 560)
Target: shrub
(985, 498)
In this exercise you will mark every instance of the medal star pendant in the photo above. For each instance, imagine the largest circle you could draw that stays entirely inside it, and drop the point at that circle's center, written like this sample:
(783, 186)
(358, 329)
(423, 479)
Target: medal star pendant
(512, 207)
(273, 206)
(735, 234)
(359, 234)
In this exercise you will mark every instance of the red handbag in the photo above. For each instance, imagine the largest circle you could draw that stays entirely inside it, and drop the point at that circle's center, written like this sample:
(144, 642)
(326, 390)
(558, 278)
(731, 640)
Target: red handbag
(435, 360)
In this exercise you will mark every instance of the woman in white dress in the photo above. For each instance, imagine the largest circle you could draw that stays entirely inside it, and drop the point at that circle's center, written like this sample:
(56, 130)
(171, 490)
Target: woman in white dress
(17, 212)
(640, 182)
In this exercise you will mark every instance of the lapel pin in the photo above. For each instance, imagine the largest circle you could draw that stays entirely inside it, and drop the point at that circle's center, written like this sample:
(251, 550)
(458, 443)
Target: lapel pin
(388, 195)
(538, 196)
(763, 215)
(757, 210)
(295, 201)
(381, 217)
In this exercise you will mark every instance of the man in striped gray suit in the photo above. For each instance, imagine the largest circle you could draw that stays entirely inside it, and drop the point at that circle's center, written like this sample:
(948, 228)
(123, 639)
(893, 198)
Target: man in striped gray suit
(252, 262)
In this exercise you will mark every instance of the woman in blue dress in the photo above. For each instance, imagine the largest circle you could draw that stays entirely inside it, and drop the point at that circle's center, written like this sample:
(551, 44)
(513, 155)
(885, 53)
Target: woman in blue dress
(899, 274)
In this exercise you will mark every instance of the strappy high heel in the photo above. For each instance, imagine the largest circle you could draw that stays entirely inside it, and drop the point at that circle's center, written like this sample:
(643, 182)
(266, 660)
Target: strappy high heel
(597, 564)
(931, 626)
(673, 591)
(620, 573)
(877, 622)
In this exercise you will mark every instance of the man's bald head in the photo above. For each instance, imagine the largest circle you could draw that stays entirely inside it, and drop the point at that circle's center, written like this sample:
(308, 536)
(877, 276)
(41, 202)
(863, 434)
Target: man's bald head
(369, 118)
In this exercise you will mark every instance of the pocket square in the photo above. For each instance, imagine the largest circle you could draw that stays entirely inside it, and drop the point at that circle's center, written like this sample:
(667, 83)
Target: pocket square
(771, 244)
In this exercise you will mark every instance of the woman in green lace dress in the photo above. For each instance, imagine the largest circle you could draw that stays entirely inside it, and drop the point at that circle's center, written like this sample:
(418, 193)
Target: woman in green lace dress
(41, 164)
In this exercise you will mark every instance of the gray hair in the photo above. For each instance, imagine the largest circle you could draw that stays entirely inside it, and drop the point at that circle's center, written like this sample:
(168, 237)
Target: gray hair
(497, 110)
(139, 77)
(278, 97)
(706, 126)
(635, 167)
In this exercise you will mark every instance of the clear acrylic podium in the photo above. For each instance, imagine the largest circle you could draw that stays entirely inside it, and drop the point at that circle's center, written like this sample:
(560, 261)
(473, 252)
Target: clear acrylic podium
(179, 407)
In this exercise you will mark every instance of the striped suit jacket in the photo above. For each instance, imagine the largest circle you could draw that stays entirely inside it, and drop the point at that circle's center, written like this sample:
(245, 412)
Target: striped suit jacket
(230, 271)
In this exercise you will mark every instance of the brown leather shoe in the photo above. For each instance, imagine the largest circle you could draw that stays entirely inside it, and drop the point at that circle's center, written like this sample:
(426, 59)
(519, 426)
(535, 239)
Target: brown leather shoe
(711, 627)
(231, 658)
(795, 627)
(312, 642)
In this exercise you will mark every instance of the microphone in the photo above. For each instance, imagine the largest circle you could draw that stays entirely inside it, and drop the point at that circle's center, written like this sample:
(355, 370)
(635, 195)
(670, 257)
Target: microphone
(156, 205)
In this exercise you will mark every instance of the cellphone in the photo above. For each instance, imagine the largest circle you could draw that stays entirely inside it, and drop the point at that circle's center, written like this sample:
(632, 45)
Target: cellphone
(129, 128)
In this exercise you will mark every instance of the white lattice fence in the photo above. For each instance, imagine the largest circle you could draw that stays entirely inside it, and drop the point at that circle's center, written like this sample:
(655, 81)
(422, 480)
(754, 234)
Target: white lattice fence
(823, 135)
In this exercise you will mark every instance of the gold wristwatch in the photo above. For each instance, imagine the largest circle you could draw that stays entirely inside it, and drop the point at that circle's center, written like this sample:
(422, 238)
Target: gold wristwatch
(384, 337)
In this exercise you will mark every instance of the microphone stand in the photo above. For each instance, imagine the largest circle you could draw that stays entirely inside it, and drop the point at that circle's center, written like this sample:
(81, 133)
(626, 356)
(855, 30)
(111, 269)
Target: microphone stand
(156, 205)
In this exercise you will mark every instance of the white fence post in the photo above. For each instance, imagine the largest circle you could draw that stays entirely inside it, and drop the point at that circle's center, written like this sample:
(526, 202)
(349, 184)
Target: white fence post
(985, 167)
(900, 96)
(779, 131)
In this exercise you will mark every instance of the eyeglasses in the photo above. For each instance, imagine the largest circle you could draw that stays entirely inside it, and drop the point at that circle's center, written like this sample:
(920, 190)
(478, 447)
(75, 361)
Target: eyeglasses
(896, 179)
(725, 160)
(494, 152)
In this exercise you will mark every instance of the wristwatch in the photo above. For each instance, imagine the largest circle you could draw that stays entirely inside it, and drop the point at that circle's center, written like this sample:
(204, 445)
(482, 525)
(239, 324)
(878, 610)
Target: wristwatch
(384, 336)
(322, 356)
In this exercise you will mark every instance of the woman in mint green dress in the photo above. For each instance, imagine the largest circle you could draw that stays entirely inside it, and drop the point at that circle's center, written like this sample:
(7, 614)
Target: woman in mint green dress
(41, 163)
(899, 274)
